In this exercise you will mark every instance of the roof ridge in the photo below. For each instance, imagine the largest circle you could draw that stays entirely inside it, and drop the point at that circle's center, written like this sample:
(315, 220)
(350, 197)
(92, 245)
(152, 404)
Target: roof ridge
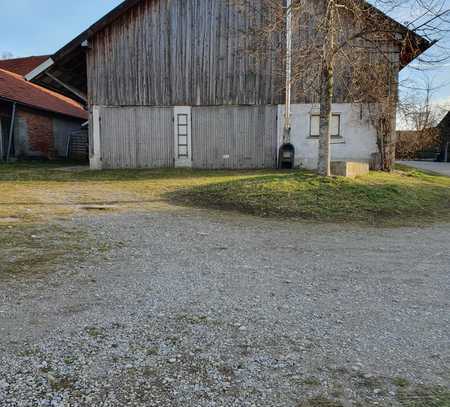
(28, 57)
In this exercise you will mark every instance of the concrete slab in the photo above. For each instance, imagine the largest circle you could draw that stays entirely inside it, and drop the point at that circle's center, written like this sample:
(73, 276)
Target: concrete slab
(349, 168)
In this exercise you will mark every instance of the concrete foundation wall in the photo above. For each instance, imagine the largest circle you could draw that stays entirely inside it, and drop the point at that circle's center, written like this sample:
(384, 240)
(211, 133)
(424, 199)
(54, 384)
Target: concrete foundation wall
(223, 136)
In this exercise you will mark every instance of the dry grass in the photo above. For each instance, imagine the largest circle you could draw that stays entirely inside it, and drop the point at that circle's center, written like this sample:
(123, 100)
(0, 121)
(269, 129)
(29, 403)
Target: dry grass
(34, 250)
(36, 192)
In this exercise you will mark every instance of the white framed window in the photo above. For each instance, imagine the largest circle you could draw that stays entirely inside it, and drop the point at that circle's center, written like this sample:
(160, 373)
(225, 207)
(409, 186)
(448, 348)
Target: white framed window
(335, 126)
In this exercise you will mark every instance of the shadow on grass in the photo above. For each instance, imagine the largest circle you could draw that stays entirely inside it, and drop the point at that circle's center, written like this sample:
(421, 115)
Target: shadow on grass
(68, 172)
(382, 199)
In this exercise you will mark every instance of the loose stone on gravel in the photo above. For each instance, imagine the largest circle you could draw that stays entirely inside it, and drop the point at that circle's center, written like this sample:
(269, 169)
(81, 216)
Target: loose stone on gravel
(169, 318)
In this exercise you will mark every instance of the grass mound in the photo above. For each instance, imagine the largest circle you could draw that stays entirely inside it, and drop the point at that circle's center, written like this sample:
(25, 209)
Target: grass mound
(406, 196)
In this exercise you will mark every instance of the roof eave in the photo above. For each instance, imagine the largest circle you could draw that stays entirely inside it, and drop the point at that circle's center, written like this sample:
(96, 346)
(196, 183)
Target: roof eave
(42, 109)
(96, 27)
(415, 51)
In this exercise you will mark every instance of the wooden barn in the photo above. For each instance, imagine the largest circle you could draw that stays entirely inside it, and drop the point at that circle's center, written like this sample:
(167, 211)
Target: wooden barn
(171, 83)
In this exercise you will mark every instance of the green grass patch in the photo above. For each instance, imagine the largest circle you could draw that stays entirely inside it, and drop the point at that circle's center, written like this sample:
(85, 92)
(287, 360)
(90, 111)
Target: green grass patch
(37, 249)
(312, 381)
(425, 396)
(320, 402)
(36, 191)
(400, 198)
(95, 332)
(400, 382)
(32, 192)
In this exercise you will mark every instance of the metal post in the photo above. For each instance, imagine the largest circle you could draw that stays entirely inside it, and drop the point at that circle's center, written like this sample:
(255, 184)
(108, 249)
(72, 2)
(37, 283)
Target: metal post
(287, 114)
(1, 141)
(11, 132)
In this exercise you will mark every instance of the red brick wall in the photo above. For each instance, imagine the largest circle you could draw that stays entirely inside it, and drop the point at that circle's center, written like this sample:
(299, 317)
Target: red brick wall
(39, 131)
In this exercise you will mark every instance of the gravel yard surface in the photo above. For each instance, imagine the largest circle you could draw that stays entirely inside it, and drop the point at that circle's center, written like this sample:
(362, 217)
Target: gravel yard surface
(200, 308)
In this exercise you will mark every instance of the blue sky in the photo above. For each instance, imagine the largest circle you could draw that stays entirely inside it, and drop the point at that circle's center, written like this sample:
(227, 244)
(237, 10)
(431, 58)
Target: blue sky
(31, 27)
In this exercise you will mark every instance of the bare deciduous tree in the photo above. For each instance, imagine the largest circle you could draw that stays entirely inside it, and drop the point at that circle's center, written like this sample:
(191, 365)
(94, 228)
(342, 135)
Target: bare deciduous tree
(419, 117)
(345, 51)
(6, 55)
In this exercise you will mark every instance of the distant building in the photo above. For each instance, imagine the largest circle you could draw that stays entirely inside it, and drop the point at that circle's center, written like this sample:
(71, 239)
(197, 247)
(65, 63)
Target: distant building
(418, 145)
(35, 122)
(444, 129)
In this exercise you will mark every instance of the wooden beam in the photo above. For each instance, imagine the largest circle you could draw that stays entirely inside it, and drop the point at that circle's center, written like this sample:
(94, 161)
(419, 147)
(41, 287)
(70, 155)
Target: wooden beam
(71, 89)
(39, 69)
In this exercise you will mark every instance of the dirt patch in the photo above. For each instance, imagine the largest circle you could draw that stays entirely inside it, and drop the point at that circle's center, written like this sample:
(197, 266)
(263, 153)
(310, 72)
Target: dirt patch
(10, 219)
(99, 207)
(35, 250)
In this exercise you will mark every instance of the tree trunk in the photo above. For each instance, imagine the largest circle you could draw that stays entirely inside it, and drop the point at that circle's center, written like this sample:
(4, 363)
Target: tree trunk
(326, 100)
(386, 141)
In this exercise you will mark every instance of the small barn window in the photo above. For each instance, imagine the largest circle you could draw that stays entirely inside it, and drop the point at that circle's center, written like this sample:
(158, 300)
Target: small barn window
(183, 133)
(315, 125)
(335, 126)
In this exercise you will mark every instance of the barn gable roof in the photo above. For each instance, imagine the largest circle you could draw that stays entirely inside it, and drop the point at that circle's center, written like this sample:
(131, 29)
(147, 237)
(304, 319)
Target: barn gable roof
(445, 122)
(73, 53)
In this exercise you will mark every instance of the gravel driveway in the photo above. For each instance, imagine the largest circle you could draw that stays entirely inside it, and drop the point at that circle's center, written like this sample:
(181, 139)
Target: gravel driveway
(198, 308)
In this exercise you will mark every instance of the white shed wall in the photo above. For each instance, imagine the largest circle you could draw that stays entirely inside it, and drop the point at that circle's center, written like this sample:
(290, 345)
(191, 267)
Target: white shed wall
(358, 142)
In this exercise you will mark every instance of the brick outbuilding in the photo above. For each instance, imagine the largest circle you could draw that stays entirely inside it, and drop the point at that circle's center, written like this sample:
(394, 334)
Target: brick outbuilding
(35, 122)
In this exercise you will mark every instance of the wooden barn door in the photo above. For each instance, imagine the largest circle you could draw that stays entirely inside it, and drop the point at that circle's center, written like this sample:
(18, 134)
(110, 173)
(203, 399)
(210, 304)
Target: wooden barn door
(234, 137)
(136, 137)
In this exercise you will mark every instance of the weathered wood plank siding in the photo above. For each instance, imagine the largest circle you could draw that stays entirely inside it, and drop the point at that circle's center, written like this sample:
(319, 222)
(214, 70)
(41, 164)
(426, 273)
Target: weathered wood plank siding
(234, 137)
(181, 52)
(197, 53)
(137, 137)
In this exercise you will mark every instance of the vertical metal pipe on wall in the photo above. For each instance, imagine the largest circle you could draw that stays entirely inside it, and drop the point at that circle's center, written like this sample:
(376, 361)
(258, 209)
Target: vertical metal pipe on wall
(11, 132)
(287, 115)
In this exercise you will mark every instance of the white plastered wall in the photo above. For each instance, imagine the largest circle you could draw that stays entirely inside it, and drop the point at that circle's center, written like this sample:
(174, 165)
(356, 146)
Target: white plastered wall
(358, 142)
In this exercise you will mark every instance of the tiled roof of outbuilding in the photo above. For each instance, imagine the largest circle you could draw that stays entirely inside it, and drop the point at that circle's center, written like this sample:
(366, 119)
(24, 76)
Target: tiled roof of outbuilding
(15, 88)
(23, 66)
